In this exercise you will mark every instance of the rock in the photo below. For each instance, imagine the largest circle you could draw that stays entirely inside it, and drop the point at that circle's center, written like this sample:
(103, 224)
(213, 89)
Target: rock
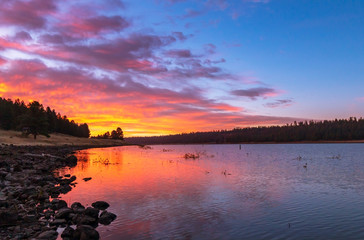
(72, 179)
(68, 232)
(4, 164)
(101, 205)
(4, 203)
(30, 218)
(63, 213)
(87, 179)
(71, 160)
(76, 205)
(8, 218)
(87, 220)
(92, 212)
(48, 214)
(106, 218)
(17, 168)
(86, 232)
(58, 204)
(65, 189)
(50, 234)
(58, 222)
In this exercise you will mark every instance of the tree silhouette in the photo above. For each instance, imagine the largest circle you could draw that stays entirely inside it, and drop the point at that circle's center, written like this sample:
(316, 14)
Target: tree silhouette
(334, 130)
(18, 116)
(35, 120)
(115, 134)
(118, 134)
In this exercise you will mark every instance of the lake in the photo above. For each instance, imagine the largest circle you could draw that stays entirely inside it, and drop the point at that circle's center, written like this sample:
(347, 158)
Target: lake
(247, 191)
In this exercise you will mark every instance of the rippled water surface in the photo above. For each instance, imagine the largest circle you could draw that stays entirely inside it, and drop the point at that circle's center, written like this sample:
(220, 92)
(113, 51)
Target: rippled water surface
(256, 192)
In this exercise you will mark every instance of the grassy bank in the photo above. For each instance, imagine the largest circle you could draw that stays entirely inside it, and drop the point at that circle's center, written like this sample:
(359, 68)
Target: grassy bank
(56, 139)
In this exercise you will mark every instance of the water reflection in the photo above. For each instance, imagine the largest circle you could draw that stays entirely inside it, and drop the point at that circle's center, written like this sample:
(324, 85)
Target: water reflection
(226, 193)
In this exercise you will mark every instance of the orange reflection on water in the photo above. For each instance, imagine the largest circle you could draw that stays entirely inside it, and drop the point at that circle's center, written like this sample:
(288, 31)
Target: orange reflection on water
(154, 189)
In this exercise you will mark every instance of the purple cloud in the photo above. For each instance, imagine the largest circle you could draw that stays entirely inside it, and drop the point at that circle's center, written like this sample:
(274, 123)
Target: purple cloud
(279, 103)
(254, 93)
(22, 36)
(190, 13)
(179, 53)
(220, 4)
(29, 14)
(180, 36)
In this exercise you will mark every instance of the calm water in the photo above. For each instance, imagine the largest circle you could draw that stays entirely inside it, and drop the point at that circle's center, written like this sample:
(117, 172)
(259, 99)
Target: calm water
(258, 192)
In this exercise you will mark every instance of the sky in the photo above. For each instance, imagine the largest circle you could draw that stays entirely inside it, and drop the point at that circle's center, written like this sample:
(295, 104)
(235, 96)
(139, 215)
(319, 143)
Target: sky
(156, 67)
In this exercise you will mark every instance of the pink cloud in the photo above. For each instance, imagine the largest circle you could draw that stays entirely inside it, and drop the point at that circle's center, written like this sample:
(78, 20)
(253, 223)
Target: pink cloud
(2, 61)
(94, 25)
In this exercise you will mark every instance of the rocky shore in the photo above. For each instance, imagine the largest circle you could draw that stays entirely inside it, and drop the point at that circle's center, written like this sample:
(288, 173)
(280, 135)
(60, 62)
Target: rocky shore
(29, 191)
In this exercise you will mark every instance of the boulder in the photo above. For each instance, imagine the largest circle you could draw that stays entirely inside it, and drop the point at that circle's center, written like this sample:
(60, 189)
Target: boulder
(58, 204)
(101, 205)
(92, 212)
(77, 205)
(85, 232)
(8, 218)
(63, 213)
(65, 189)
(71, 160)
(58, 222)
(68, 233)
(49, 235)
(87, 220)
(106, 218)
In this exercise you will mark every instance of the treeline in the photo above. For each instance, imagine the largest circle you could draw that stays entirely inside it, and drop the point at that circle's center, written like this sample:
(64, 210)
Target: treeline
(34, 119)
(115, 134)
(335, 130)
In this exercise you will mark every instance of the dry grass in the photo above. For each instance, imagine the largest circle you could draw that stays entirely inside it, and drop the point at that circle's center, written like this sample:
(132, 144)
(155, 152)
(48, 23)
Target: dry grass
(56, 139)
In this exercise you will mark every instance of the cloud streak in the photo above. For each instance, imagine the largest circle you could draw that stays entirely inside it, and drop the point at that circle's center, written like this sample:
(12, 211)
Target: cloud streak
(254, 93)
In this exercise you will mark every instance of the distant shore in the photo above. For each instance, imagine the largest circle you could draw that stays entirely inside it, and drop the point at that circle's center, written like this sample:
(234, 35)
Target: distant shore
(57, 139)
(293, 142)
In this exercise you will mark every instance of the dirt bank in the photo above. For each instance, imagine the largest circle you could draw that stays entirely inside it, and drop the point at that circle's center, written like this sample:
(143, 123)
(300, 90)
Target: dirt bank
(56, 139)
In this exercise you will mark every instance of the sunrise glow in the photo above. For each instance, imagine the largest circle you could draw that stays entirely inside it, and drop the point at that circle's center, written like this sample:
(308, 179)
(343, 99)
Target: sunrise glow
(170, 66)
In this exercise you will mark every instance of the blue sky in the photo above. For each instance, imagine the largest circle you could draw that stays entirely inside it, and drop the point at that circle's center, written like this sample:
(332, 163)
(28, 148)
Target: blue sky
(215, 64)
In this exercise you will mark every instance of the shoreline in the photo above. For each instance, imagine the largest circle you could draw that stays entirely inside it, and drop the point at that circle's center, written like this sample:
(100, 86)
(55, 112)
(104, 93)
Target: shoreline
(30, 207)
(213, 143)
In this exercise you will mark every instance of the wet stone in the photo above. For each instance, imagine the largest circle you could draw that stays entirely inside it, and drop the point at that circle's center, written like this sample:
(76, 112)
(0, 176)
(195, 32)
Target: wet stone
(58, 204)
(106, 218)
(67, 233)
(101, 205)
(63, 213)
(84, 232)
(92, 212)
(58, 222)
(50, 235)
